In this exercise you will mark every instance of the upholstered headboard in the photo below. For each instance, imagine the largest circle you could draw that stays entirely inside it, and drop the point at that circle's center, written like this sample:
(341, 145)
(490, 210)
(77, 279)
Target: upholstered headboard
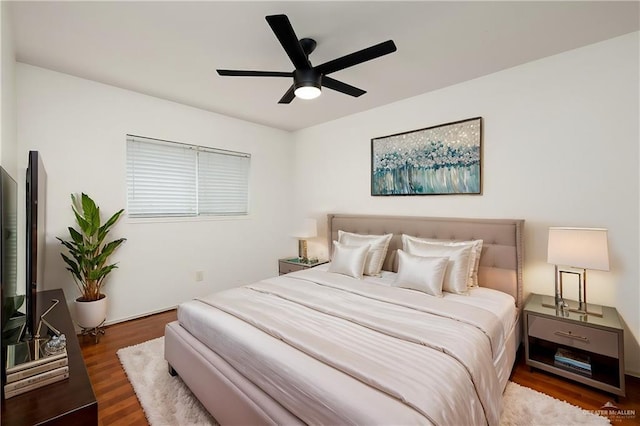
(501, 261)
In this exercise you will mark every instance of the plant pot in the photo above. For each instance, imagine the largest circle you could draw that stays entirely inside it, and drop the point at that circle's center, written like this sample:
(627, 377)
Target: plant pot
(91, 314)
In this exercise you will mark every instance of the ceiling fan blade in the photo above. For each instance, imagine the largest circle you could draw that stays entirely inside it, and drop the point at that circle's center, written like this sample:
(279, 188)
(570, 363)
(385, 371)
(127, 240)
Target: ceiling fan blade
(289, 96)
(341, 87)
(284, 32)
(358, 57)
(240, 73)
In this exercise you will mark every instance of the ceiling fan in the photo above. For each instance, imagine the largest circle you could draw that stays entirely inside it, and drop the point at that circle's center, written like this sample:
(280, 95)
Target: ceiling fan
(307, 79)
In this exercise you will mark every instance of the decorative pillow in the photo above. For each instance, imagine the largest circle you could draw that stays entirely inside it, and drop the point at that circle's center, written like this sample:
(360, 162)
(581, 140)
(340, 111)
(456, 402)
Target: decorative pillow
(457, 274)
(378, 245)
(348, 260)
(424, 274)
(476, 252)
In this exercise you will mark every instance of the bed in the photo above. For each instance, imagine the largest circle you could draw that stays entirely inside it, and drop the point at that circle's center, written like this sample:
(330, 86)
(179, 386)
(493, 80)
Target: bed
(317, 347)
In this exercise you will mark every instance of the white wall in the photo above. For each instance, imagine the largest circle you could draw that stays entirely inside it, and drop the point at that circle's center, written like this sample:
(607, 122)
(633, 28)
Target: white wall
(79, 127)
(560, 148)
(8, 141)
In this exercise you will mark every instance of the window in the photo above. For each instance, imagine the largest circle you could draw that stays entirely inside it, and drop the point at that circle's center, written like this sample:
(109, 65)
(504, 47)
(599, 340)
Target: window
(166, 179)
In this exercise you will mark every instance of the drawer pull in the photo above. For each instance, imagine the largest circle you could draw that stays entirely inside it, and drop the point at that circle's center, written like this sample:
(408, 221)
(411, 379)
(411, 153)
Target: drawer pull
(571, 336)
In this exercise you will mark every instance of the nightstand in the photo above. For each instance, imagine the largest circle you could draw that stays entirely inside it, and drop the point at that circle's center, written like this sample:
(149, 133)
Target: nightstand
(586, 348)
(293, 264)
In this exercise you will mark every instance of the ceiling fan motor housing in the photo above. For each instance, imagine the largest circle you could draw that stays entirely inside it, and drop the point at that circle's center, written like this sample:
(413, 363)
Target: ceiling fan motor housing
(307, 78)
(308, 45)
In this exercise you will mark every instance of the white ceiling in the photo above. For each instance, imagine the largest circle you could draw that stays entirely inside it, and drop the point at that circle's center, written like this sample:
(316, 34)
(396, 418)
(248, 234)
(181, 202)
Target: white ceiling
(171, 49)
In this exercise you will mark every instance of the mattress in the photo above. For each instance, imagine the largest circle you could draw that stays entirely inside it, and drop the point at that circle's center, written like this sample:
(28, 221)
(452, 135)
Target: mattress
(318, 386)
(502, 304)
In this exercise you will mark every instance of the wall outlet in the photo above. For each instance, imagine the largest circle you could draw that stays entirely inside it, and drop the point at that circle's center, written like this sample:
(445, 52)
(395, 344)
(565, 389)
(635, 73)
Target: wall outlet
(199, 275)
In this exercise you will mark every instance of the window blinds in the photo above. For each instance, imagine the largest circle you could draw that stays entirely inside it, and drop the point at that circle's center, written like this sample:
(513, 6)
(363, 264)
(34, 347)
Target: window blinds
(222, 183)
(167, 179)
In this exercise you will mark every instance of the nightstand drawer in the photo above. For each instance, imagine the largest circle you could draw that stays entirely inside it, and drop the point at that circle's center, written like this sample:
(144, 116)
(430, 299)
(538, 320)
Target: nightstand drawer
(285, 268)
(577, 336)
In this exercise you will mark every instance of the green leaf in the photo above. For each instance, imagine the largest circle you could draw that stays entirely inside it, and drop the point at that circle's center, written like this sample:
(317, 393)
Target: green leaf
(70, 245)
(84, 225)
(108, 249)
(78, 212)
(105, 271)
(75, 235)
(10, 305)
(74, 268)
(104, 229)
(91, 214)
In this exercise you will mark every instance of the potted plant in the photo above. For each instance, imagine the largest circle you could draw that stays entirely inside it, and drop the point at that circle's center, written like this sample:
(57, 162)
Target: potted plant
(87, 260)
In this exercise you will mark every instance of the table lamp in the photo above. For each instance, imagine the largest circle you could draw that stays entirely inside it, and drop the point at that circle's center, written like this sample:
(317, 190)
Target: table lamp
(308, 228)
(578, 249)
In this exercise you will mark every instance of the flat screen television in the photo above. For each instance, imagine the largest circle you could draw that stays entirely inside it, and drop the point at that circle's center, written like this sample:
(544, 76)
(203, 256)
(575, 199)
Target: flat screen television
(36, 185)
(12, 294)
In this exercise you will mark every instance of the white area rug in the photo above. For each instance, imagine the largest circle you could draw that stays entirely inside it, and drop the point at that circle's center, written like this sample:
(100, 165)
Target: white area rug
(167, 401)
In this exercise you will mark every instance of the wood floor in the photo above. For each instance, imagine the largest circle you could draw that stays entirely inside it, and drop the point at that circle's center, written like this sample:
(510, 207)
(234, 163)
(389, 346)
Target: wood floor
(118, 405)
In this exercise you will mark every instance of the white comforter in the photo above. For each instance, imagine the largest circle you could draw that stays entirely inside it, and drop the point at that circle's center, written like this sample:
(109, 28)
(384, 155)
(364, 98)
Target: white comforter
(428, 359)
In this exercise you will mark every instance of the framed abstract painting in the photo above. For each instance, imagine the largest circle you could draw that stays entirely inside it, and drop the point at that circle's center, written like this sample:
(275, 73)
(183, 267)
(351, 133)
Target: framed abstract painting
(439, 160)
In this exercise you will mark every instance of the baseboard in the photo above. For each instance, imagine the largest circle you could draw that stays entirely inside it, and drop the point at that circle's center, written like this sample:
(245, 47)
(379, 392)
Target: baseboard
(633, 374)
(133, 317)
(146, 314)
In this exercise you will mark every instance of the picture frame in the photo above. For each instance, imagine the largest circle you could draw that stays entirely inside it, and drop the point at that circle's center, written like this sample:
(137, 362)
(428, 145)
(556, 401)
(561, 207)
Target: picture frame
(440, 160)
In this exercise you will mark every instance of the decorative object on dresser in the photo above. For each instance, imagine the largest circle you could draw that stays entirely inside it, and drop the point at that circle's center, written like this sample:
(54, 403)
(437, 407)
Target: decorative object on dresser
(56, 332)
(586, 348)
(36, 362)
(438, 160)
(89, 253)
(579, 249)
(69, 396)
(307, 228)
(30, 366)
(292, 264)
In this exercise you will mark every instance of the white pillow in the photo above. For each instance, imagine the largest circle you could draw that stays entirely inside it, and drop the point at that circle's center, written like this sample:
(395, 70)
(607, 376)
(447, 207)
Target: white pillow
(425, 274)
(378, 245)
(457, 274)
(348, 260)
(476, 252)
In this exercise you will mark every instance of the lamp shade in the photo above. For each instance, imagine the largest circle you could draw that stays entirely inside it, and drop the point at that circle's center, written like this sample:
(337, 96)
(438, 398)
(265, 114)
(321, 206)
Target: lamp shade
(585, 248)
(307, 228)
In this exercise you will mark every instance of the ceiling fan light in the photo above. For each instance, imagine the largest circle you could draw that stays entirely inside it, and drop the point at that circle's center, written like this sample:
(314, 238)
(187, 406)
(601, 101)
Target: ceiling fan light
(307, 92)
(307, 83)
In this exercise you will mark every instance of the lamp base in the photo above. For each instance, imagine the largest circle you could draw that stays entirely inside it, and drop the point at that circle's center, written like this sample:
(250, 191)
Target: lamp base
(573, 306)
(302, 251)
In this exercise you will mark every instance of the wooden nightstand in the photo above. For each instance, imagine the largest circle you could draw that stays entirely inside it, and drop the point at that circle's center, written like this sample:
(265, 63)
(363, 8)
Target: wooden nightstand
(592, 340)
(293, 264)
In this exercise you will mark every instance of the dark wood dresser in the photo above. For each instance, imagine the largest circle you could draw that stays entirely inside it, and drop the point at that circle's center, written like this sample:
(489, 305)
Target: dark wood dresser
(68, 402)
